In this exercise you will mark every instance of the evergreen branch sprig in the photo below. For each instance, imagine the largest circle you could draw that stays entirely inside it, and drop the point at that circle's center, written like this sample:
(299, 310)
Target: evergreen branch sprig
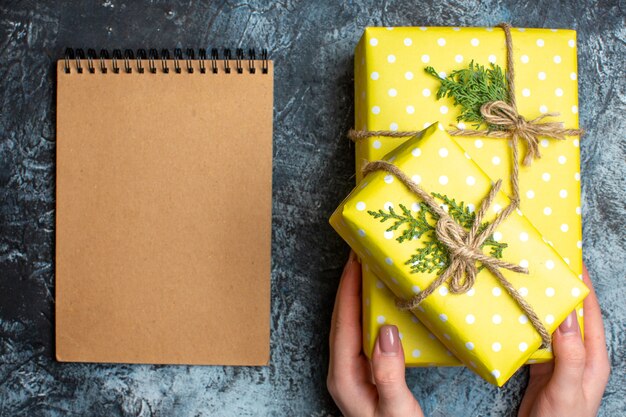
(415, 226)
(459, 211)
(471, 88)
(433, 255)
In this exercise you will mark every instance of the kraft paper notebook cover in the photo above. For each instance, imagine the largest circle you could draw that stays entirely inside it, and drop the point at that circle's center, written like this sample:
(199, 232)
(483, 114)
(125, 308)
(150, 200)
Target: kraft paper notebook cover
(163, 220)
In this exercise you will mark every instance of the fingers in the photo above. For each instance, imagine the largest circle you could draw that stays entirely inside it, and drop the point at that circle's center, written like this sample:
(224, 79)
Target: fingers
(540, 374)
(569, 358)
(595, 342)
(581, 368)
(345, 334)
(348, 371)
(597, 367)
(541, 370)
(394, 396)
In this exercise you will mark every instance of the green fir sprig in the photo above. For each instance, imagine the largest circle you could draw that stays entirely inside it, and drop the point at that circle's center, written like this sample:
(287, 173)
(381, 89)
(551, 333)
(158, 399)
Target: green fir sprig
(471, 88)
(433, 255)
(415, 226)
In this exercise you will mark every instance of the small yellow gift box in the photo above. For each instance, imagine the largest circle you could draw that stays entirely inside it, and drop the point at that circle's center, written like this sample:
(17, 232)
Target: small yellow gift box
(393, 92)
(484, 328)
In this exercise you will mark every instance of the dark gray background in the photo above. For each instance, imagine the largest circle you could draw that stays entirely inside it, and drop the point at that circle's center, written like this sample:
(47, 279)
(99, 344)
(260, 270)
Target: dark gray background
(312, 44)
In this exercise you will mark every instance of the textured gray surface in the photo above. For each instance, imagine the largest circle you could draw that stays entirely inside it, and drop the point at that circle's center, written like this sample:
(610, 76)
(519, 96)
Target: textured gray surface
(312, 44)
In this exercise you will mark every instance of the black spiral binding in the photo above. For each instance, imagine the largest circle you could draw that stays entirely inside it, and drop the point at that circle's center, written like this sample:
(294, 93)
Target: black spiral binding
(130, 61)
(128, 57)
(117, 55)
(165, 56)
(190, 56)
(227, 58)
(214, 57)
(141, 56)
(104, 55)
(91, 55)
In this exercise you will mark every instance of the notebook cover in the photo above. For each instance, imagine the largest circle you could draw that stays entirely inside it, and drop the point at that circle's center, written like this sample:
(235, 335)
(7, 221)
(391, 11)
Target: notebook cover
(163, 220)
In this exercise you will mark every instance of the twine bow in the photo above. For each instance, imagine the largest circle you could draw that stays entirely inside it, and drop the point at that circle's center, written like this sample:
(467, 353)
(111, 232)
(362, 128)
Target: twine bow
(463, 246)
(513, 125)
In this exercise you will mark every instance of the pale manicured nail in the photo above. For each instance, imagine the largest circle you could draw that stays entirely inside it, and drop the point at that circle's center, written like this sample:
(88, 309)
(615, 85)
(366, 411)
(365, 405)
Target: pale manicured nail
(352, 257)
(351, 260)
(389, 340)
(570, 324)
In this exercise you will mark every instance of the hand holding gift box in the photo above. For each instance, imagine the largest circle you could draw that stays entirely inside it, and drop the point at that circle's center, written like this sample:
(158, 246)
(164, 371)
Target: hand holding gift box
(463, 322)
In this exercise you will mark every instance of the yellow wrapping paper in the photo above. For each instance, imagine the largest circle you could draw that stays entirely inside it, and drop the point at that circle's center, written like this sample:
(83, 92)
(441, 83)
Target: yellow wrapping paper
(392, 92)
(483, 328)
(421, 347)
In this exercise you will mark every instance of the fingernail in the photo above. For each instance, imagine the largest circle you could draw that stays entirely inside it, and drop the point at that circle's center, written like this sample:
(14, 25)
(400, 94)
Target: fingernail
(570, 324)
(389, 340)
(350, 261)
(352, 257)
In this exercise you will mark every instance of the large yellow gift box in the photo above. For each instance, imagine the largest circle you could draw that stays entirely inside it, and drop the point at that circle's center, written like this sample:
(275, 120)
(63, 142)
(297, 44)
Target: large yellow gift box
(484, 328)
(393, 92)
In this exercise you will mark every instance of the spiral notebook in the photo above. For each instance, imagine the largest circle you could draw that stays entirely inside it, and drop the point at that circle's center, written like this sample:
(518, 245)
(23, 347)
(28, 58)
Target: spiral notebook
(163, 207)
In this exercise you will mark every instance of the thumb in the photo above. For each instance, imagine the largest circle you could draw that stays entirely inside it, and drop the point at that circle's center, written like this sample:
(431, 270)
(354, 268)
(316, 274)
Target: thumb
(394, 397)
(569, 357)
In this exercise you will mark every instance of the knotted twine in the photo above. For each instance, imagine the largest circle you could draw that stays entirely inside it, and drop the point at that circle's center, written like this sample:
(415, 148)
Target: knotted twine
(463, 246)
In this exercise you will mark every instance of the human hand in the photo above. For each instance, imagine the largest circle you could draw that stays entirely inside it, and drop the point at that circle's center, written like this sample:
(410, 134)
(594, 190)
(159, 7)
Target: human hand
(361, 388)
(572, 385)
